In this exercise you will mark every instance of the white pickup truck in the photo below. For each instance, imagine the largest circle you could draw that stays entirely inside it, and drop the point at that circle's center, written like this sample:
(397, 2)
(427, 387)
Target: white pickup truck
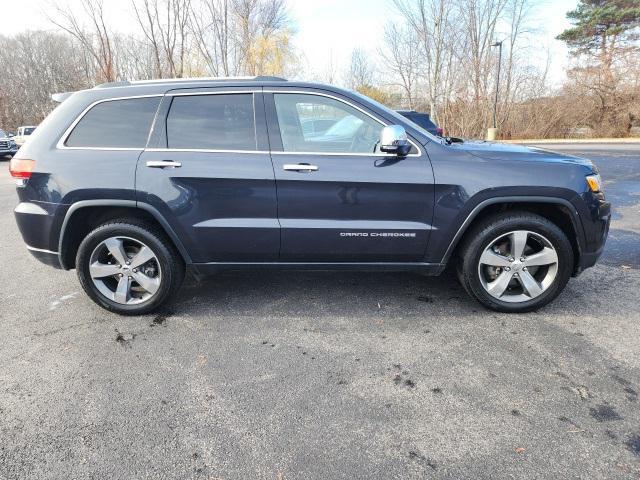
(22, 133)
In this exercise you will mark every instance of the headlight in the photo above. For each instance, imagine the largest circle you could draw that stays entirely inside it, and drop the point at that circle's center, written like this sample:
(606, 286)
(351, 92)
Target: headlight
(595, 183)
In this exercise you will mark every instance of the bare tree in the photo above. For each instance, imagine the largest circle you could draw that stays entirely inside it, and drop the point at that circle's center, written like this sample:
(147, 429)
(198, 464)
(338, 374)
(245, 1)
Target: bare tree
(213, 25)
(401, 56)
(360, 71)
(135, 57)
(164, 24)
(437, 58)
(96, 38)
(242, 36)
(41, 63)
(480, 19)
(431, 20)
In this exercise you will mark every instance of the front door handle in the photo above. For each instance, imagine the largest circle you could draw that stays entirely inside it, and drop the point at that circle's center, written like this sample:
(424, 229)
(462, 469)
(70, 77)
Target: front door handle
(299, 167)
(163, 164)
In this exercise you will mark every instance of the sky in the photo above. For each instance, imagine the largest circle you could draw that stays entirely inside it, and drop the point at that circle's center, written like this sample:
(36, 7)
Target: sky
(328, 30)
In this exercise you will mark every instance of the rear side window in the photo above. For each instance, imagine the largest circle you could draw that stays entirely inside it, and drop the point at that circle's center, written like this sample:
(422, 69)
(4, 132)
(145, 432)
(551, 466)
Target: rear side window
(212, 122)
(115, 124)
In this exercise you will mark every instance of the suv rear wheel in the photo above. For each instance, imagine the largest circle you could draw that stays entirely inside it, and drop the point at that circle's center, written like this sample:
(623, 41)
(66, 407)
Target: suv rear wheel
(129, 268)
(515, 262)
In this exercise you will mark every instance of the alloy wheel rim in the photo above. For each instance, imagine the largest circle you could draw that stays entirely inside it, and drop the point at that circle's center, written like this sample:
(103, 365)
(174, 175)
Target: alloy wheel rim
(518, 266)
(125, 270)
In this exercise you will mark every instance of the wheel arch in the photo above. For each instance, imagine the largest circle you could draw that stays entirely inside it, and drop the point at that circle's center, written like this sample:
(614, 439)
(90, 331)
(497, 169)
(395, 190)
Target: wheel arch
(558, 210)
(85, 215)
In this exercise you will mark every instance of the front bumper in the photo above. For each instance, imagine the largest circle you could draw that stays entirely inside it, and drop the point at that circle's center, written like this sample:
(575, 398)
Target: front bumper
(11, 151)
(596, 229)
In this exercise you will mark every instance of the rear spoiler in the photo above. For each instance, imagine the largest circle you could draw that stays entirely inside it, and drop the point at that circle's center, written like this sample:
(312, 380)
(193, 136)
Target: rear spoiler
(61, 97)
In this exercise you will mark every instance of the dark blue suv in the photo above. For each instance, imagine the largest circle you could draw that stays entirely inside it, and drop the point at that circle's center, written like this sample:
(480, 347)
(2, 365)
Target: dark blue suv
(132, 183)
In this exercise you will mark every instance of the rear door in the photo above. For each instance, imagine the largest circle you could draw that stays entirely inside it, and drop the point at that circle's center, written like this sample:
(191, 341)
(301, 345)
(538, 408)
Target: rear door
(339, 199)
(208, 171)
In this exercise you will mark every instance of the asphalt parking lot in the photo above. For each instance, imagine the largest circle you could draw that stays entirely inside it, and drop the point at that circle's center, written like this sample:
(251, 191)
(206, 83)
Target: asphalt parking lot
(273, 375)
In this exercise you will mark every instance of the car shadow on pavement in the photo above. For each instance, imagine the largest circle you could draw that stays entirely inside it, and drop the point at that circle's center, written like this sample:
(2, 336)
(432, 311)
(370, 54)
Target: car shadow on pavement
(337, 293)
(405, 294)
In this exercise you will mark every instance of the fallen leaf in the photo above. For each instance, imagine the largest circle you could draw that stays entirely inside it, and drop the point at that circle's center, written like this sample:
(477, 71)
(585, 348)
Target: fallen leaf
(520, 450)
(202, 359)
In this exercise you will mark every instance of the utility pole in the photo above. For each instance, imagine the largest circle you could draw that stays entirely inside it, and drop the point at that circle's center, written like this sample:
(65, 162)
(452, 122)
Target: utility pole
(493, 132)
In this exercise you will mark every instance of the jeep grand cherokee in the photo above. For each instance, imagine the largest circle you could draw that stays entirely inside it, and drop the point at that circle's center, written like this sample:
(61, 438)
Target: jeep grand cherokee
(132, 183)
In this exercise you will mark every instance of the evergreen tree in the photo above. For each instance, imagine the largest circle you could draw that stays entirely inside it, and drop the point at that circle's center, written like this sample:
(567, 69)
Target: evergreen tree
(603, 28)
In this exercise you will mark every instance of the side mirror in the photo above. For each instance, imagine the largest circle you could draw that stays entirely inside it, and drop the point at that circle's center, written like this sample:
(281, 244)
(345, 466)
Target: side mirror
(393, 139)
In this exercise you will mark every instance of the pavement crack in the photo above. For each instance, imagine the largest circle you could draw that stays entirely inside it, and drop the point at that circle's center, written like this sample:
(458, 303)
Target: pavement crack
(61, 329)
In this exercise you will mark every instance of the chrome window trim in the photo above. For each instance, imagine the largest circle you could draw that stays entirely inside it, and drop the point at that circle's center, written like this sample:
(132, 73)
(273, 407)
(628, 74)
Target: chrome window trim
(121, 149)
(203, 150)
(222, 91)
(208, 150)
(65, 136)
(339, 154)
(339, 99)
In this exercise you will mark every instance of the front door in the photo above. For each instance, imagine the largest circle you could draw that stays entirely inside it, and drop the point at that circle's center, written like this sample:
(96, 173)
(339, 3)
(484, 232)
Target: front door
(209, 173)
(339, 199)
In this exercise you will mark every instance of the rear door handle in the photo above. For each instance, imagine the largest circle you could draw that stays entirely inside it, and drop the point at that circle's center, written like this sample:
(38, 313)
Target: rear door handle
(163, 164)
(299, 167)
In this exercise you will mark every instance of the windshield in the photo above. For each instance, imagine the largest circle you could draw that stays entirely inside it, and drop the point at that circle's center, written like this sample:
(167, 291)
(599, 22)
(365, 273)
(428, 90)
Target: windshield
(28, 130)
(3, 134)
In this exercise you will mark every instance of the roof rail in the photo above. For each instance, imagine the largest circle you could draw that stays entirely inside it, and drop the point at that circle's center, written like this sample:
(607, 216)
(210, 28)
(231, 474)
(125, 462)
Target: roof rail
(125, 83)
(122, 83)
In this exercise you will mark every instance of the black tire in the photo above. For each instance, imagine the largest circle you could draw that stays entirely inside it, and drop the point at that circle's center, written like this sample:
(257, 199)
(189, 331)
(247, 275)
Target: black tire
(170, 263)
(479, 238)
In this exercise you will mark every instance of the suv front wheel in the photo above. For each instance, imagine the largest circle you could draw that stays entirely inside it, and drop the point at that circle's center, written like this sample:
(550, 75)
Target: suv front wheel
(128, 267)
(515, 262)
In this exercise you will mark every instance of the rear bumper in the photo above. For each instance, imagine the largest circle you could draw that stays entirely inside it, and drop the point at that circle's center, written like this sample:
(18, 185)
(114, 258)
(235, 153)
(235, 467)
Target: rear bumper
(37, 223)
(46, 256)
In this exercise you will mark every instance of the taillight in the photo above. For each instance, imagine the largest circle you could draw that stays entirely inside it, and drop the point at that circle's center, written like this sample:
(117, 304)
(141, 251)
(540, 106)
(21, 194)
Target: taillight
(21, 168)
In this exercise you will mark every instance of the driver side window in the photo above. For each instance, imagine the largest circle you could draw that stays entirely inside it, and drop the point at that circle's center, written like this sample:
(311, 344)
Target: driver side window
(313, 123)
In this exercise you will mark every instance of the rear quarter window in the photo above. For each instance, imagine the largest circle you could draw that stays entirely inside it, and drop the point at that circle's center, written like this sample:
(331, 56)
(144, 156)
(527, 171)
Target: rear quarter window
(115, 124)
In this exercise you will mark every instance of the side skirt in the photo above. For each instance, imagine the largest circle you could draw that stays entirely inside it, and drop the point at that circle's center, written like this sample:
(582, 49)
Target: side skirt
(200, 270)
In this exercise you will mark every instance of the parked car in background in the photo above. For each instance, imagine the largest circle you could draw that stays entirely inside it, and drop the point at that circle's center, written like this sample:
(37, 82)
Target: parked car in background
(316, 126)
(8, 147)
(22, 134)
(132, 183)
(422, 120)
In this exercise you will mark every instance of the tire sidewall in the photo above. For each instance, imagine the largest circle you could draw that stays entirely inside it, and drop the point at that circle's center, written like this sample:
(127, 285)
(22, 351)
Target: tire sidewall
(162, 253)
(496, 229)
